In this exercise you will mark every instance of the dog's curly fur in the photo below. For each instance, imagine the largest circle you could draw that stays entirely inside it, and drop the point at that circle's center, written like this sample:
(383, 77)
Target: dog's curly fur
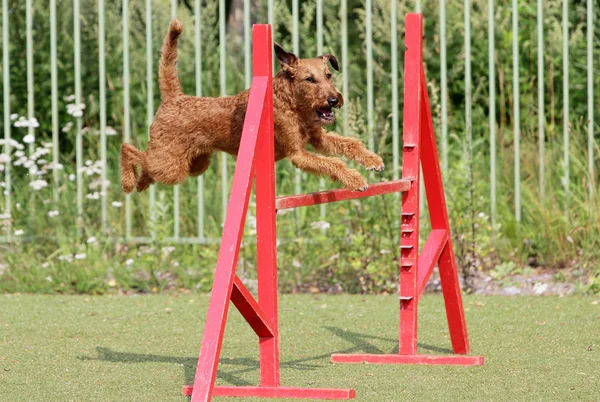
(187, 129)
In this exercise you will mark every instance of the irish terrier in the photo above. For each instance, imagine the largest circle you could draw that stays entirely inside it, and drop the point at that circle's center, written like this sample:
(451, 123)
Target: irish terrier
(188, 129)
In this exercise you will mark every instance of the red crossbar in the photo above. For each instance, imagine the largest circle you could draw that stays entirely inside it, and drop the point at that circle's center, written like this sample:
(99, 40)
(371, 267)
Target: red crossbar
(324, 197)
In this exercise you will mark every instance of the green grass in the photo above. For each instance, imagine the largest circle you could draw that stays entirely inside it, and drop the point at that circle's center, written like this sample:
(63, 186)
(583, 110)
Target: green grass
(145, 348)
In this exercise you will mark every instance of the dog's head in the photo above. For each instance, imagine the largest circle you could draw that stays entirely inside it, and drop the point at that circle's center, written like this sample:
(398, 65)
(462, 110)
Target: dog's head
(314, 91)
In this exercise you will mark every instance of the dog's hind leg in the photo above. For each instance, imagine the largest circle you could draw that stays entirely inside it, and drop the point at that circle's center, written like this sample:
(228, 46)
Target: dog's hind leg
(130, 157)
(144, 181)
(199, 164)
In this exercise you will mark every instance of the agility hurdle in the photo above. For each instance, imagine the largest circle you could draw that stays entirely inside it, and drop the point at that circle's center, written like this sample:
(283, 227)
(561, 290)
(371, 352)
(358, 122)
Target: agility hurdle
(256, 160)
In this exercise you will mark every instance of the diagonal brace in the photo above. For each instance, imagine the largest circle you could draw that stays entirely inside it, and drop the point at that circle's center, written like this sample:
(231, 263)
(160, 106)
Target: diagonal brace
(250, 310)
(430, 255)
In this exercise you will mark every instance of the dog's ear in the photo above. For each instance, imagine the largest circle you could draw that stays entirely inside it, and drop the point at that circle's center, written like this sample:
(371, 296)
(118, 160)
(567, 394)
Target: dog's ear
(285, 58)
(331, 59)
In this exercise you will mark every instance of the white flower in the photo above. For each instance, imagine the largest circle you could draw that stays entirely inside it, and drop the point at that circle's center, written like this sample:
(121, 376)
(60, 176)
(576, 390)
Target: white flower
(29, 139)
(81, 256)
(75, 109)
(91, 240)
(55, 166)
(49, 278)
(45, 265)
(19, 232)
(117, 204)
(175, 264)
(296, 263)
(320, 225)
(69, 98)
(47, 145)
(52, 214)
(68, 127)
(68, 257)
(93, 196)
(168, 249)
(14, 116)
(4, 158)
(129, 261)
(38, 184)
(72, 177)
(110, 131)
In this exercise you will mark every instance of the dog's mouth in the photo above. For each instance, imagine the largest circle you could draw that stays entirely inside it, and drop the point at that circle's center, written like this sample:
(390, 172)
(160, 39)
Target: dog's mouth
(326, 114)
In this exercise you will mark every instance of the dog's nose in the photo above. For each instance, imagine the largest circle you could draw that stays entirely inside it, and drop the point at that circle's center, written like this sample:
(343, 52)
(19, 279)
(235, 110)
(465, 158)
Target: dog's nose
(333, 101)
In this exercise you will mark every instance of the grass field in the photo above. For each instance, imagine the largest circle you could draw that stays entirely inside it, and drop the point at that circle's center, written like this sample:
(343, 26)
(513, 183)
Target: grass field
(58, 348)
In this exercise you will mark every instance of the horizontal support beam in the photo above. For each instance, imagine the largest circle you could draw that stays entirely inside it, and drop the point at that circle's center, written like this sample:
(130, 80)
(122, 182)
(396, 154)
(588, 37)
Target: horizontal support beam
(449, 360)
(430, 255)
(250, 310)
(278, 392)
(325, 197)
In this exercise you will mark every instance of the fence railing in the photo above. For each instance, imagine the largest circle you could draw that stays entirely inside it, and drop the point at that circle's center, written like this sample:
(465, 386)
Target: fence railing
(24, 150)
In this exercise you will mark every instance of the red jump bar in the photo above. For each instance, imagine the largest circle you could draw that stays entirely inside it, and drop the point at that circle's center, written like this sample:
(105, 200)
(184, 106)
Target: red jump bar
(324, 197)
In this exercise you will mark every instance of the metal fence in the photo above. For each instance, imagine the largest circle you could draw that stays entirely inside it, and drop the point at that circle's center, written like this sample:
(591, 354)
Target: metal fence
(8, 8)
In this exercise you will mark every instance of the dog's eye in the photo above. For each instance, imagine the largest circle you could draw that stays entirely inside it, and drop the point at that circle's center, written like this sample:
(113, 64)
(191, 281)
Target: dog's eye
(328, 76)
(310, 79)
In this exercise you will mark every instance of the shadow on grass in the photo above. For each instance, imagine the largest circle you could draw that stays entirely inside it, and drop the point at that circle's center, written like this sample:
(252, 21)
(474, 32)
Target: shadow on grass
(362, 343)
(231, 375)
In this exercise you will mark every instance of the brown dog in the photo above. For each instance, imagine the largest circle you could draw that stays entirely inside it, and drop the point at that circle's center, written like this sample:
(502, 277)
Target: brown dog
(187, 129)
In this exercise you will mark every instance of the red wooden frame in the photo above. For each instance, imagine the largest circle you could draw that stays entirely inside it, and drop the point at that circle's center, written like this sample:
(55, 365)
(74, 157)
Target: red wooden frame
(256, 160)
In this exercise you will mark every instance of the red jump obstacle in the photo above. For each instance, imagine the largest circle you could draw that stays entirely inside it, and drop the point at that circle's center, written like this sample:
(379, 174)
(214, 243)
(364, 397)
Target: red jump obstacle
(256, 160)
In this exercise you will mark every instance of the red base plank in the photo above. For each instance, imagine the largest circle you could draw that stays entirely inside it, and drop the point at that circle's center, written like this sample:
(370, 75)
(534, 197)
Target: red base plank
(451, 360)
(279, 392)
(324, 197)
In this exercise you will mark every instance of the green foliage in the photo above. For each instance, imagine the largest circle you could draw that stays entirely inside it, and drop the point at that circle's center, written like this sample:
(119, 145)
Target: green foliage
(358, 251)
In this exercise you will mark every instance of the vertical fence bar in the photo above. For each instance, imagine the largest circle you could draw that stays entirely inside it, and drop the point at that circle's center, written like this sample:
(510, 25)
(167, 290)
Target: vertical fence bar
(102, 90)
(590, 97)
(541, 107)
(176, 188)
(468, 100)
(247, 52)
(296, 50)
(271, 21)
(346, 73)
(198, 51)
(421, 182)
(126, 105)
(492, 107)
(6, 101)
(30, 91)
(395, 118)
(78, 142)
(319, 6)
(565, 27)
(173, 9)
(149, 110)
(369, 55)
(54, 100)
(223, 80)
(444, 84)
(418, 6)
(516, 107)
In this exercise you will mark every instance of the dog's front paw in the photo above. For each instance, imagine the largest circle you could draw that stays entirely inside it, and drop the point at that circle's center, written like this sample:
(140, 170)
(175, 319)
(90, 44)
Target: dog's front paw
(355, 182)
(372, 162)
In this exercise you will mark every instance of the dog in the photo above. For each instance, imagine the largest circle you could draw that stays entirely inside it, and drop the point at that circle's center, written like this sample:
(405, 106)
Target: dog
(187, 130)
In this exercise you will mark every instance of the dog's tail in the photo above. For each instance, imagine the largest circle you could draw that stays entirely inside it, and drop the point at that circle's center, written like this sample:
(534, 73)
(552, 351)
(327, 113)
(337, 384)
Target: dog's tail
(130, 158)
(167, 70)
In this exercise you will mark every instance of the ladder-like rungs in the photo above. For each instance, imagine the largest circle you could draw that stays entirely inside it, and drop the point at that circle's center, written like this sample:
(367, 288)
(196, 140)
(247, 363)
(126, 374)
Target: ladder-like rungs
(324, 197)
